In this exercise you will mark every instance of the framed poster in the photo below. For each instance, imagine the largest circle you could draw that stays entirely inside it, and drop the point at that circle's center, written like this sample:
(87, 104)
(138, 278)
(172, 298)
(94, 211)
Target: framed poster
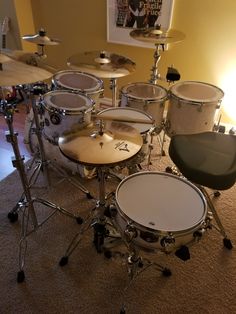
(125, 15)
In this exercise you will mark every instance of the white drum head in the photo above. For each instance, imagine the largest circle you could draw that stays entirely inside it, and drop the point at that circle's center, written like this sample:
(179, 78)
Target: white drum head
(129, 113)
(145, 91)
(160, 201)
(197, 91)
(79, 81)
(67, 102)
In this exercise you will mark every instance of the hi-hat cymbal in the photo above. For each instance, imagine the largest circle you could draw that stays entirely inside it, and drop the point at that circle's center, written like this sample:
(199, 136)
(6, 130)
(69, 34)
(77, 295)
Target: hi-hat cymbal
(14, 72)
(41, 39)
(103, 64)
(157, 35)
(109, 147)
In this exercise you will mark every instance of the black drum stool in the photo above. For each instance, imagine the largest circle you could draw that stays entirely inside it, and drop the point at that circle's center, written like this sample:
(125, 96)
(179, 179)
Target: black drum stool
(208, 160)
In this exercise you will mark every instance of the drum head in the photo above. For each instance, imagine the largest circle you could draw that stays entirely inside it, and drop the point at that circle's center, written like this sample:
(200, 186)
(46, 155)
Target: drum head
(129, 113)
(160, 201)
(79, 81)
(197, 91)
(145, 91)
(67, 102)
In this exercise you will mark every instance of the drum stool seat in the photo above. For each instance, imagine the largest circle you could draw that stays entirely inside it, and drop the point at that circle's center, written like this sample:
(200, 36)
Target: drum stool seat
(208, 160)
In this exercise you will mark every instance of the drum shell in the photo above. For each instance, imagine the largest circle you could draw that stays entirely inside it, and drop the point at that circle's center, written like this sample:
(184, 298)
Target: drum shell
(148, 238)
(189, 114)
(61, 116)
(147, 97)
(81, 82)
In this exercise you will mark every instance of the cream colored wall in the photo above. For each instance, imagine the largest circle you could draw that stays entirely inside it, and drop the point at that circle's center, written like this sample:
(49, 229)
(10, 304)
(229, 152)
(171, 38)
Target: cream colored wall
(207, 54)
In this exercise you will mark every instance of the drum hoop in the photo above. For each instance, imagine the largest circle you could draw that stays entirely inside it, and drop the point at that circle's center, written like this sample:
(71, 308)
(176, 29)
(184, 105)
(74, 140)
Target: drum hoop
(195, 101)
(64, 111)
(162, 232)
(149, 100)
(98, 88)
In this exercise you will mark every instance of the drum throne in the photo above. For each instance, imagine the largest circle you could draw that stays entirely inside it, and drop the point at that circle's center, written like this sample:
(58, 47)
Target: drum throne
(208, 160)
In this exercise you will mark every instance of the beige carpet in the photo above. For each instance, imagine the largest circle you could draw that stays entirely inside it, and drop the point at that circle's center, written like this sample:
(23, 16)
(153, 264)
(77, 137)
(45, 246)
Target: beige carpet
(90, 283)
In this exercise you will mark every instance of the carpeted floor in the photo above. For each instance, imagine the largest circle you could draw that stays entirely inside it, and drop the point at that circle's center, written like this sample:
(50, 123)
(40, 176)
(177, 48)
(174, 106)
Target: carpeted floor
(91, 283)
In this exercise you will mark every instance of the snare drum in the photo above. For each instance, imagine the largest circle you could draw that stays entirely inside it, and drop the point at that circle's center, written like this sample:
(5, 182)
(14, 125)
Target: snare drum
(147, 97)
(130, 113)
(65, 111)
(162, 211)
(193, 107)
(81, 82)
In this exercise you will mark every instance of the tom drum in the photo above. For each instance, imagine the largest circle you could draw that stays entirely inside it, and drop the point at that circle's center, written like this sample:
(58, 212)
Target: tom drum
(146, 97)
(193, 107)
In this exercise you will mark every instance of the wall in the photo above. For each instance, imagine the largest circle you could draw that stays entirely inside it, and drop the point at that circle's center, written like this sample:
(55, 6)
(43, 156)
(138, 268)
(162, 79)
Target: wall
(207, 54)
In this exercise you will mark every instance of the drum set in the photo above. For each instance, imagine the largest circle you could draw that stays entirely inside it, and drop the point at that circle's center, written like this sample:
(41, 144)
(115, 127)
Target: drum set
(67, 127)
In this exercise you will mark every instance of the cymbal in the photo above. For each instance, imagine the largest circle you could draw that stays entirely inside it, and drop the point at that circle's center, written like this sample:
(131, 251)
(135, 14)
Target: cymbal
(30, 58)
(103, 64)
(157, 36)
(41, 39)
(90, 147)
(14, 72)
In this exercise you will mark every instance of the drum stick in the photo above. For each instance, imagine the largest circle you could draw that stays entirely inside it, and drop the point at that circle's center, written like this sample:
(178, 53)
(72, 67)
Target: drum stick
(124, 119)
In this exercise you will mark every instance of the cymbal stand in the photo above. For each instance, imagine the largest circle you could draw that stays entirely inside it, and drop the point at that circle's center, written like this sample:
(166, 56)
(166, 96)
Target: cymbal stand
(155, 75)
(97, 218)
(42, 162)
(27, 203)
(113, 87)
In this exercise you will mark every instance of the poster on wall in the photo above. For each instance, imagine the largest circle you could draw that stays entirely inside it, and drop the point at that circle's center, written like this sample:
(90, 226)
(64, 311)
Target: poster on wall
(125, 15)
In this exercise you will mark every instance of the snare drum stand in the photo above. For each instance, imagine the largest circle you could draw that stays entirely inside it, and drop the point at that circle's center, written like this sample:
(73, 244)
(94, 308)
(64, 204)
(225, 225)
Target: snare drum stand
(97, 218)
(26, 203)
(42, 162)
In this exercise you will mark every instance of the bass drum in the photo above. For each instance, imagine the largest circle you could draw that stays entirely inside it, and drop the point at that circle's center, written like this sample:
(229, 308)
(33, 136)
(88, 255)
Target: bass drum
(146, 97)
(82, 82)
(159, 211)
(193, 107)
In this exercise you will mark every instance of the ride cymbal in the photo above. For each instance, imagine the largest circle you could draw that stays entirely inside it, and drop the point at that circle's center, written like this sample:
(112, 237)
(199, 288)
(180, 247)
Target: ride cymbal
(41, 39)
(90, 146)
(14, 72)
(103, 64)
(157, 35)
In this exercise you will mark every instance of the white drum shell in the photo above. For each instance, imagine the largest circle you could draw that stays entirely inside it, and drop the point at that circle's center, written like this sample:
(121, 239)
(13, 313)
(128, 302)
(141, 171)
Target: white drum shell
(159, 205)
(78, 81)
(146, 97)
(65, 111)
(193, 107)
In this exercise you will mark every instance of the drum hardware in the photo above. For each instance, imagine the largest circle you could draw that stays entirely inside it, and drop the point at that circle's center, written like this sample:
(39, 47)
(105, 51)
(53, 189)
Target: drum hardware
(104, 64)
(41, 40)
(107, 148)
(26, 203)
(159, 37)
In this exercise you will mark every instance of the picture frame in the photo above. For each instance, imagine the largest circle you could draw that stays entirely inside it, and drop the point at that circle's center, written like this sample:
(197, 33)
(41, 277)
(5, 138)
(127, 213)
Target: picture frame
(117, 30)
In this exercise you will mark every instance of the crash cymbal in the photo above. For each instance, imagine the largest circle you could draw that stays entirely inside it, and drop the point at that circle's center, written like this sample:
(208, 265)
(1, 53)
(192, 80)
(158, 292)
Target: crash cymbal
(30, 58)
(89, 146)
(41, 39)
(14, 73)
(157, 35)
(103, 64)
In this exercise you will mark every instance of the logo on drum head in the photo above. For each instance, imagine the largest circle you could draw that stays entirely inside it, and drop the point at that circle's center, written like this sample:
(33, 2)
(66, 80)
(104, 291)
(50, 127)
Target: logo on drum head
(55, 119)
